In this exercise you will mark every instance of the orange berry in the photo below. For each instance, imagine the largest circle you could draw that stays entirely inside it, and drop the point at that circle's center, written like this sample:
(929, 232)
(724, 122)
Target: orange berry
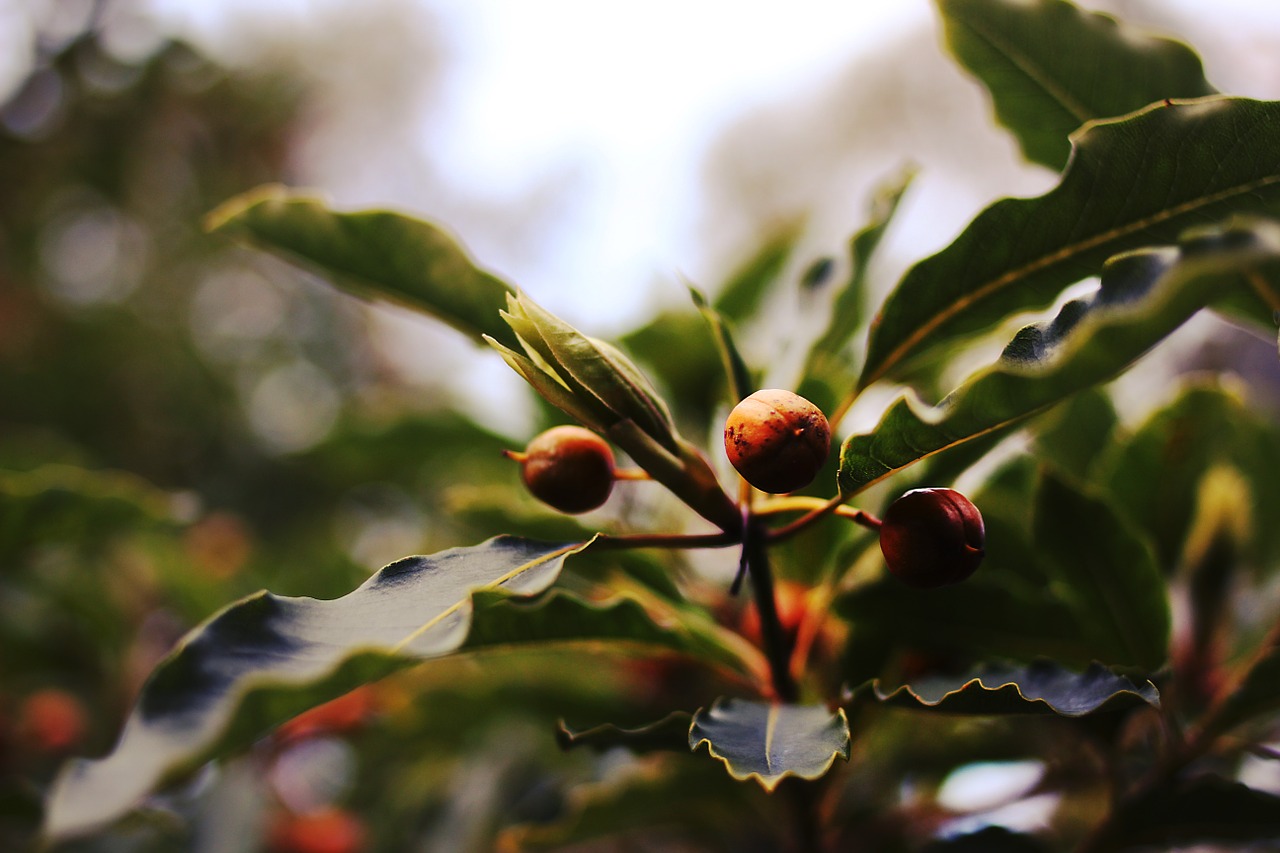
(778, 441)
(569, 468)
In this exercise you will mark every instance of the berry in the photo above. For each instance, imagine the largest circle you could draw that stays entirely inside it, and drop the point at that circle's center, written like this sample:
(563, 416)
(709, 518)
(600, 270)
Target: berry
(777, 440)
(330, 830)
(569, 468)
(52, 721)
(932, 537)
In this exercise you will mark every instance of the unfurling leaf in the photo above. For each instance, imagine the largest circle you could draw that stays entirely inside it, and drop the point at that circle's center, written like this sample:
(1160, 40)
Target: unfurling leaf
(769, 742)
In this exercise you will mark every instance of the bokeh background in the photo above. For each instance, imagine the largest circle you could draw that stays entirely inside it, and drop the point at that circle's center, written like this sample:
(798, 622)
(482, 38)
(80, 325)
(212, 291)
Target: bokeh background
(183, 421)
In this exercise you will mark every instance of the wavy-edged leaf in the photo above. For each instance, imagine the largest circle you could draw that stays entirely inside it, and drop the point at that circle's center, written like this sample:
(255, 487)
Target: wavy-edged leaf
(1132, 182)
(829, 367)
(1042, 687)
(1142, 298)
(1050, 67)
(267, 658)
(372, 254)
(769, 742)
(1075, 435)
(670, 734)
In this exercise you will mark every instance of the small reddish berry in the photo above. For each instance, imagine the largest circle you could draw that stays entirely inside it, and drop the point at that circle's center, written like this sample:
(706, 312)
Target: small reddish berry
(932, 537)
(569, 468)
(330, 830)
(52, 721)
(778, 441)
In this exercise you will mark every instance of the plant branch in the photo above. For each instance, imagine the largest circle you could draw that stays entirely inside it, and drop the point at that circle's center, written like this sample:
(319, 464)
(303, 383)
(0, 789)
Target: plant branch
(776, 649)
(607, 542)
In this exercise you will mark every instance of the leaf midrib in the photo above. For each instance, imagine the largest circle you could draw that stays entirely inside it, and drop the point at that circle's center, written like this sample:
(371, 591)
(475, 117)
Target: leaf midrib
(1034, 72)
(1045, 261)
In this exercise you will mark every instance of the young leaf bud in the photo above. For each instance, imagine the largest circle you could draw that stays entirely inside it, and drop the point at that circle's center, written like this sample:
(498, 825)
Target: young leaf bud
(932, 537)
(777, 440)
(569, 468)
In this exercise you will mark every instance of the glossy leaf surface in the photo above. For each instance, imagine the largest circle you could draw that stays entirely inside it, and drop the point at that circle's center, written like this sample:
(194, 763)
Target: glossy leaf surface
(374, 254)
(1132, 182)
(1042, 687)
(1103, 569)
(1142, 298)
(267, 658)
(769, 742)
(1051, 66)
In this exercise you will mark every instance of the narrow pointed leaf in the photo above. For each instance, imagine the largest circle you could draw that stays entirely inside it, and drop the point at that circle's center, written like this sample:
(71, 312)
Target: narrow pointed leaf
(1042, 687)
(1143, 297)
(373, 254)
(1103, 568)
(670, 734)
(1132, 182)
(1257, 693)
(267, 658)
(769, 742)
(735, 369)
(1050, 67)
(829, 367)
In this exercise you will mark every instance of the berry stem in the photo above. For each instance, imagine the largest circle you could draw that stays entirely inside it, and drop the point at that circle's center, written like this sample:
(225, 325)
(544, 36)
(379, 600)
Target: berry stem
(608, 542)
(835, 505)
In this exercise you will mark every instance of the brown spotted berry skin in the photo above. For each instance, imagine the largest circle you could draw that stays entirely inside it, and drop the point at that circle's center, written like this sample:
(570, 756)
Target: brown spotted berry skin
(777, 440)
(932, 537)
(569, 468)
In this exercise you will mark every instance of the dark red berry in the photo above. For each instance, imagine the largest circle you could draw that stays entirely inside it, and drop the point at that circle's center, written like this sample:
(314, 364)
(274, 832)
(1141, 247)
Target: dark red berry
(932, 537)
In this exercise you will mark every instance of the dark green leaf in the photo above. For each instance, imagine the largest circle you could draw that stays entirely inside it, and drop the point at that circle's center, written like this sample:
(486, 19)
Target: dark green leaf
(1051, 67)
(768, 742)
(372, 254)
(1132, 182)
(1042, 687)
(267, 658)
(1102, 567)
(1156, 476)
(1143, 297)
(1204, 809)
(1076, 433)
(618, 623)
(670, 734)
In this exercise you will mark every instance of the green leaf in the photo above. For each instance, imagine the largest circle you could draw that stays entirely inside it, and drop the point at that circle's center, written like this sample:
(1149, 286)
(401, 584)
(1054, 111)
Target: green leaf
(829, 367)
(267, 658)
(1042, 687)
(1142, 298)
(1204, 809)
(372, 254)
(769, 742)
(670, 734)
(735, 369)
(617, 623)
(1103, 568)
(1076, 433)
(1051, 67)
(595, 373)
(1132, 182)
(1156, 476)
(740, 297)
